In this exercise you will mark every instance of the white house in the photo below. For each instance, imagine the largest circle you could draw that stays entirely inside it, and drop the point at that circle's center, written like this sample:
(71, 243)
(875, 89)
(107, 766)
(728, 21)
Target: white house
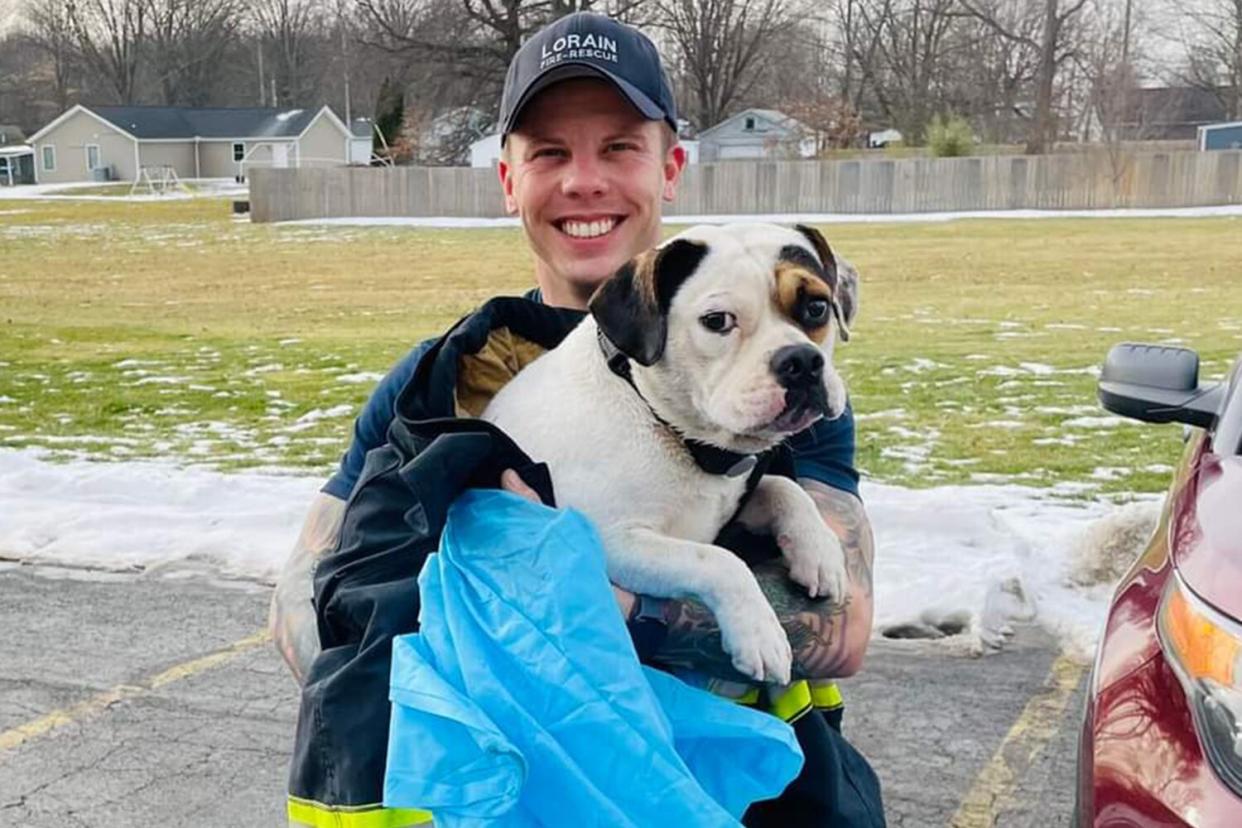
(757, 133)
(485, 152)
(100, 143)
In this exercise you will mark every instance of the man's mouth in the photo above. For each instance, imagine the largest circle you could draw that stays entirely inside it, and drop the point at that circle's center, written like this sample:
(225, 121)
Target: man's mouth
(588, 229)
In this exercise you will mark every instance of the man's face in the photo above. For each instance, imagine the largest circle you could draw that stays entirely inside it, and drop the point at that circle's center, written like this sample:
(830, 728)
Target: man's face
(587, 173)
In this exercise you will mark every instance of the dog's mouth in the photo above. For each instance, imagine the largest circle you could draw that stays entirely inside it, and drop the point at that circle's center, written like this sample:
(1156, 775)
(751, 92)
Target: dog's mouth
(588, 228)
(802, 408)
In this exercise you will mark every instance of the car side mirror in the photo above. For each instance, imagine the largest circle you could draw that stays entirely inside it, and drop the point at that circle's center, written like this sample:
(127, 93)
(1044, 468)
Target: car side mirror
(1158, 384)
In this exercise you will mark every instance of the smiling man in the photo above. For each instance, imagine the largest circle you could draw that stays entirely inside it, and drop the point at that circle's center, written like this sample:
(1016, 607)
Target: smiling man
(590, 155)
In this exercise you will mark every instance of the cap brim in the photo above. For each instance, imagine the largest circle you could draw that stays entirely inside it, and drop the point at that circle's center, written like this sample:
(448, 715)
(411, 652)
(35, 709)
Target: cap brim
(568, 70)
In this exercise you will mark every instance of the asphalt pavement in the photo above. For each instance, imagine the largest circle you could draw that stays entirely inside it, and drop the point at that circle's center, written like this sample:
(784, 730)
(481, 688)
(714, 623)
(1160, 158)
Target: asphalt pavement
(153, 699)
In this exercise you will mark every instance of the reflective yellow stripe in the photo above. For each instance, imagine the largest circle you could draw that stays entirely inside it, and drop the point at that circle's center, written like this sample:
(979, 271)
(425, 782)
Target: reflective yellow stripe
(791, 704)
(317, 815)
(826, 695)
(751, 696)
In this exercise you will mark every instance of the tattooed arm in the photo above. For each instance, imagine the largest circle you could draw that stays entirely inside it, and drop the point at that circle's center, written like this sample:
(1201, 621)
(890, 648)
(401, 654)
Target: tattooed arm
(291, 617)
(828, 639)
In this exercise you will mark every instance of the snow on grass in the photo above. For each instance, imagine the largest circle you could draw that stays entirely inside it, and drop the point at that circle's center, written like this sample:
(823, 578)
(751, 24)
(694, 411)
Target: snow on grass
(939, 551)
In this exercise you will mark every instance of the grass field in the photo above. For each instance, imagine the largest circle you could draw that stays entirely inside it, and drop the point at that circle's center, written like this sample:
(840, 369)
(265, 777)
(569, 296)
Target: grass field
(173, 330)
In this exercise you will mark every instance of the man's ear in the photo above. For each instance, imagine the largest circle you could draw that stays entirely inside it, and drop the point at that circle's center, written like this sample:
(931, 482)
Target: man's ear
(505, 171)
(841, 275)
(631, 308)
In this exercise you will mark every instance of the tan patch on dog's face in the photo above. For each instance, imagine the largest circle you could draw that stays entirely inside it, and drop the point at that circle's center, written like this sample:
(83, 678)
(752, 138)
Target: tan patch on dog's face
(795, 285)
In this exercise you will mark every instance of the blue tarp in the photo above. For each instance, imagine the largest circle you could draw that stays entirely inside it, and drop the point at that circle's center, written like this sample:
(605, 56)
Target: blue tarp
(521, 702)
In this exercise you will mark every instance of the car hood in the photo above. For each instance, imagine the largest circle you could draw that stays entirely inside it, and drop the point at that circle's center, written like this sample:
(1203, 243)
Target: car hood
(1207, 538)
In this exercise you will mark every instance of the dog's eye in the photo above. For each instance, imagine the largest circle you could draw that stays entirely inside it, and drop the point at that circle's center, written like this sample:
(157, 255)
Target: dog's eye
(815, 312)
(718, 322)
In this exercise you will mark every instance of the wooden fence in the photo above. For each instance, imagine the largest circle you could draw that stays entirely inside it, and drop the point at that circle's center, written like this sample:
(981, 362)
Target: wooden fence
(1088, 180)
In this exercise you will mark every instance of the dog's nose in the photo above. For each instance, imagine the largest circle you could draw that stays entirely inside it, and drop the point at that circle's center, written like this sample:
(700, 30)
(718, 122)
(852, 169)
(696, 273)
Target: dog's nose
(798, 366)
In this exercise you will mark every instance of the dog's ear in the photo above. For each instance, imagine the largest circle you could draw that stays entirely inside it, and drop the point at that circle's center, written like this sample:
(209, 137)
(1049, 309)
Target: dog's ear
(847, 289)
(841, 275)
(631, 308)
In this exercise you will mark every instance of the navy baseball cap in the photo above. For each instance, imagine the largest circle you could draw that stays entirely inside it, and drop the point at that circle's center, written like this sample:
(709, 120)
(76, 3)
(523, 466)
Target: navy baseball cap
(588, 45)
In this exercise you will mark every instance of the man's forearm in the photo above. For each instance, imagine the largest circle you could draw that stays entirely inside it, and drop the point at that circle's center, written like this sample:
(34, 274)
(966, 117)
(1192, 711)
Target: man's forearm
(291, 617)
(828, 638)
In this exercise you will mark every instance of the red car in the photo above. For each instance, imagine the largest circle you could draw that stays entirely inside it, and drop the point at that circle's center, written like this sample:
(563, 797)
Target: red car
(1161, 740)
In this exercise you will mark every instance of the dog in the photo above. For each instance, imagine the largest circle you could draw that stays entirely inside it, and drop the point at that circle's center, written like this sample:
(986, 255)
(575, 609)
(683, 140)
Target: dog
(696, 357)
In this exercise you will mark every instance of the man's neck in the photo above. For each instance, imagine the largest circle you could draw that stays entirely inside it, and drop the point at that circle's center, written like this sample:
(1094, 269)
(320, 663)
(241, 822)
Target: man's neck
(559, 294)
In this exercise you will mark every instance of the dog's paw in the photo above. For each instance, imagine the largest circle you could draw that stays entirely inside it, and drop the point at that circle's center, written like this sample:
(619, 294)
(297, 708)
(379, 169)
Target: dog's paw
(753, 636)
(816, 561)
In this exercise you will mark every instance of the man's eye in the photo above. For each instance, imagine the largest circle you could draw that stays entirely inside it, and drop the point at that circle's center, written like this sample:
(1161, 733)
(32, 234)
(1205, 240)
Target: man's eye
(620, 146)
(549, 152)
(719, 322)
(815, 312)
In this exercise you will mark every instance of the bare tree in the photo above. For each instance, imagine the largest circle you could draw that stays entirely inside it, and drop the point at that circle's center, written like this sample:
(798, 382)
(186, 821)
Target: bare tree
(720, 45)
(289, 32)
(908, 64)
(111, 35)
(1053, 48)
(1211, 34)
(49, 26)
(187, 41)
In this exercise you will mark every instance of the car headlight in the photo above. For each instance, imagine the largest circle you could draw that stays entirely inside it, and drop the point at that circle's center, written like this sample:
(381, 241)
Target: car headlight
(1205, 649)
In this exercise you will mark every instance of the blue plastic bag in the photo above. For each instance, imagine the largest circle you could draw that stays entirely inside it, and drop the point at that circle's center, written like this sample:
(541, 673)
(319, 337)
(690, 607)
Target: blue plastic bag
(521, 701)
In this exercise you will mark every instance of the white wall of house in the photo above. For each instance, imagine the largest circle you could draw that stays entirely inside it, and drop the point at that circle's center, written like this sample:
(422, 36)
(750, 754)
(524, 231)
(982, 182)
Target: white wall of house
(485, 152)
(752, 134)
(323, 144)
(69, 141)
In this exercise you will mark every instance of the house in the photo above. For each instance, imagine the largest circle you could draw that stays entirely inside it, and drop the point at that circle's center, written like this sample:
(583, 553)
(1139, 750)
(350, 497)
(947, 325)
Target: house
(757, 133)
(1168, 113)
(101, 143)
(884, 137)
(16, 157)
(485, 152)
(1221, 136)
(362, 134)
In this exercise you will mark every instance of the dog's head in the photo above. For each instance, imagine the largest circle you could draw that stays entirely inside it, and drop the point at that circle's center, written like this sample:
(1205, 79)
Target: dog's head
(733, 328)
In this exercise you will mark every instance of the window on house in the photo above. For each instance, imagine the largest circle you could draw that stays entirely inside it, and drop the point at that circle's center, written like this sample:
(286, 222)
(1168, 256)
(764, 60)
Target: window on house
(239, 152)
(750, 124)
(49, 158)
(92, 156)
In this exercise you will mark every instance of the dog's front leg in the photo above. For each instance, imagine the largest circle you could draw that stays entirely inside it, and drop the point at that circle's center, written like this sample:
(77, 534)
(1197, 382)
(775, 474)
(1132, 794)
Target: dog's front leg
(813, 551)
(645, 561)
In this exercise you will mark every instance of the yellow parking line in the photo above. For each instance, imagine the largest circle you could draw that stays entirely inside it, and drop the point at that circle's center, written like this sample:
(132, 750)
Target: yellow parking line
(1039, 722)
(10, 739)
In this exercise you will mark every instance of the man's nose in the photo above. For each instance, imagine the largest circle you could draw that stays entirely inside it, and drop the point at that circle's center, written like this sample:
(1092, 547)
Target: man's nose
(585, 177)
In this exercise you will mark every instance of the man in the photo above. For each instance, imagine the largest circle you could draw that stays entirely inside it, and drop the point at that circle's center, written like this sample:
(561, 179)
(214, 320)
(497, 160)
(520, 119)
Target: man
(589, 154)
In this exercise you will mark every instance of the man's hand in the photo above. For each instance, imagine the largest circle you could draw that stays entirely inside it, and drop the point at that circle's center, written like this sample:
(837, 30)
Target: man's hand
(828, 638)
(291, 618)
(512, 482)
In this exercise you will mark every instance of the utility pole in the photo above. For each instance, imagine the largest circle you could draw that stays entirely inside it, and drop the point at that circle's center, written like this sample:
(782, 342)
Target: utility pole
(262, 84)
(340, 23)
(1125, 40)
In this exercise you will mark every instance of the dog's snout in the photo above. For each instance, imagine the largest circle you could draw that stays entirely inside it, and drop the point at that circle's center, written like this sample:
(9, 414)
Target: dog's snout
(798, 366)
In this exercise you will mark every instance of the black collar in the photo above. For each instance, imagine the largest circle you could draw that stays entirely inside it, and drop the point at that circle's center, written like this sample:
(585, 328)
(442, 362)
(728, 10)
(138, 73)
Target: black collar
(707, 457)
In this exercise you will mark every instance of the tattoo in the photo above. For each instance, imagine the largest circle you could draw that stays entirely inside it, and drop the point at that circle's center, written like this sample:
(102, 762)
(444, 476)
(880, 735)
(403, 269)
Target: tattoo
(816, 627)
(291, 618)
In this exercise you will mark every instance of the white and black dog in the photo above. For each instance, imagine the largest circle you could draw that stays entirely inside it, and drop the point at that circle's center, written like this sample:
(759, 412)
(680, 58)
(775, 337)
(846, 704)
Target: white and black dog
(712, 348)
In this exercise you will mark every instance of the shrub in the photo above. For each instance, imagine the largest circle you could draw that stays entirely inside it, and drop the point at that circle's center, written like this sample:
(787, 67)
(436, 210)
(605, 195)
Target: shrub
(950, 137)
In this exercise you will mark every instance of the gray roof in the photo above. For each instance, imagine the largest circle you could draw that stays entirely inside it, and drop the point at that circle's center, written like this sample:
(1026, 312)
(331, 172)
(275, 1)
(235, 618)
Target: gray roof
(362, 127)
(778, 119)
(211, 122)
